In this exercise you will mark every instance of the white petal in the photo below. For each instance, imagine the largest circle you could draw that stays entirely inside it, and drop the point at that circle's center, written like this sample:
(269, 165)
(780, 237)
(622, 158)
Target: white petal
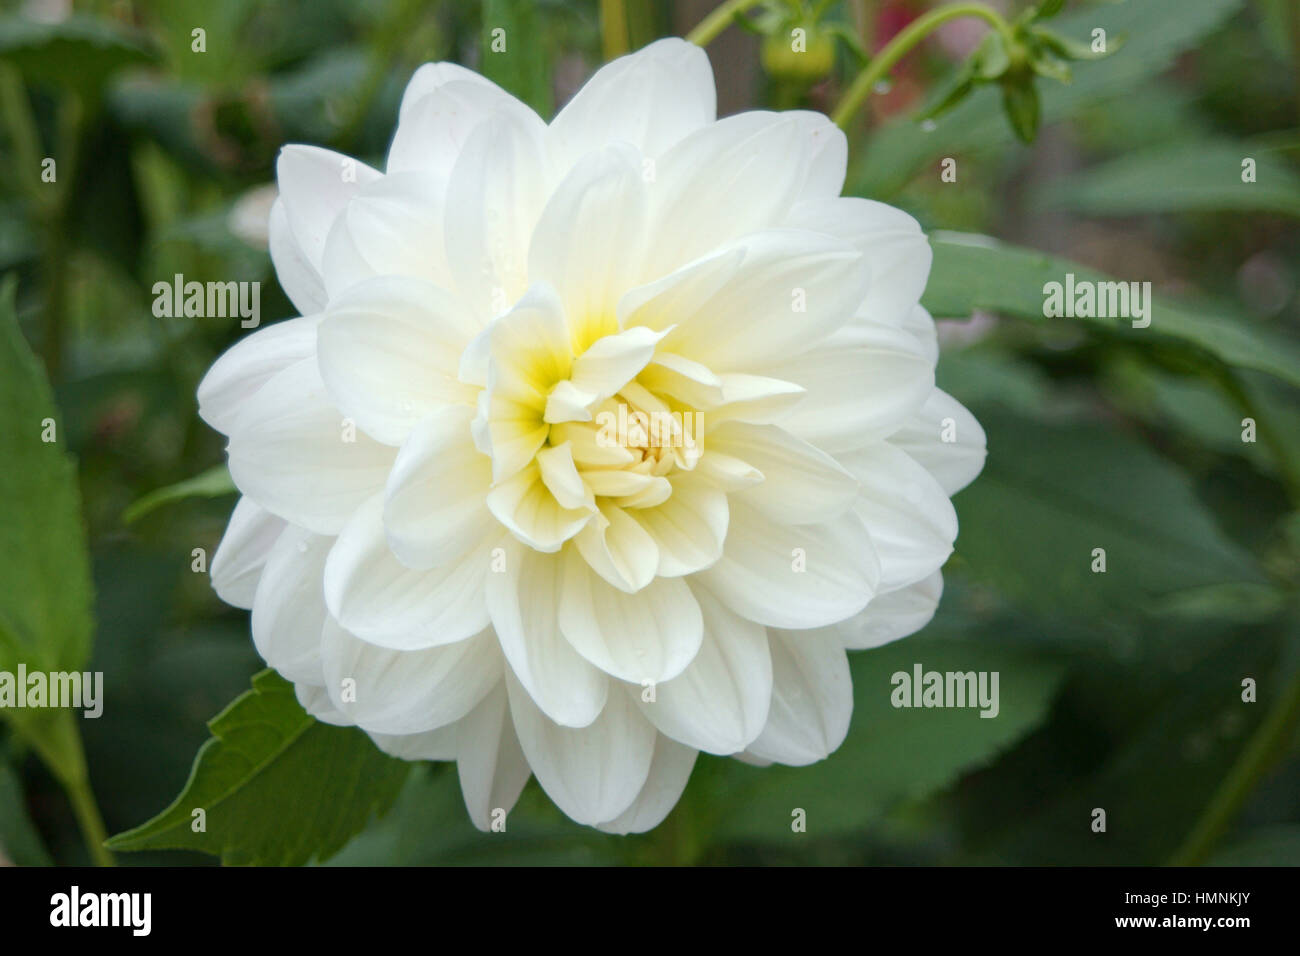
(891, 616)
(523, 599)
(812, 699)
(315, 184)
(588, 241)
(249, 364)
(592, 773)
(529, 510)
(651, 98)
(293, 453)
(670, 769)
(790, 291)
(647, 636)
(437, 744)
(496, 193)
(794, 576)
(241, 555)
(407, 692)
(430, 77)
(618, 548)
(316, 701)
(719, 703)
(945, 438)
(897, 251)
(435, 503)
(289, 606)
(689, 528)
(433, 128)
(861, 385)
(757, 165)
(911, 521)
(299, 278)
(801, 484)
(390, 354)
(385, 230)
(380, 600)
(492, 766)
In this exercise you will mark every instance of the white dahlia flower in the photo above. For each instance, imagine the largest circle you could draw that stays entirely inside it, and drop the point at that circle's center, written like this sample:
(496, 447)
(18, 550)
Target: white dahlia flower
(597, 443)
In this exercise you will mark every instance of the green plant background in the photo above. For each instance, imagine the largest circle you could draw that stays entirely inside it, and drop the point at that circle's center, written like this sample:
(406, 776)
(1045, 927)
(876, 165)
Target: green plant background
(1119, 691)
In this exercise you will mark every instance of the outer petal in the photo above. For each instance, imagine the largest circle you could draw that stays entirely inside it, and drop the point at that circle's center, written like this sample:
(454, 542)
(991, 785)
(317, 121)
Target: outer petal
(647, 636)
(434, 127)
(299, 277)
(592, 773)
(375, 597)
(492, 766)
(390, 352)
(407, 692)
(670, 769)
(242, 553)
(289, 607)
(796, 577)
(289, 451)
(435, 504)
(315, 184)
(249, 364)
(891, 616)
(812, 699)
(719, 704)
(385, 230)
(911, 521)
(897, 250)
(757, 166)
(437, 744)
(651, 98)
(523, 600)
(945, 438)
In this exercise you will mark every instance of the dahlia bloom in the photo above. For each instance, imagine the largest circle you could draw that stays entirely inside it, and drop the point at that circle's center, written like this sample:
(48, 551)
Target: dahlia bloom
(597, 444)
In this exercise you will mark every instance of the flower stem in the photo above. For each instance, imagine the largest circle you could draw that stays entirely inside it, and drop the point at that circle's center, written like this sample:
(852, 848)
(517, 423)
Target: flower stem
(1263, 749)
(717, 21)
(902, 44)
(613, 29)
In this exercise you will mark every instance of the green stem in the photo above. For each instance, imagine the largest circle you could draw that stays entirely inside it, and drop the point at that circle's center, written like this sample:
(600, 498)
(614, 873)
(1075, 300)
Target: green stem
(902, 44)
(91, 823)
(613, 29)
(707, 29)
(1262, 751)
(55, 738)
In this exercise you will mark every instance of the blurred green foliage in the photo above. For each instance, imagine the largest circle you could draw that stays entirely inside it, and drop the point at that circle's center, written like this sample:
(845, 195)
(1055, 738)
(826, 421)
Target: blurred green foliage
(1121, 691)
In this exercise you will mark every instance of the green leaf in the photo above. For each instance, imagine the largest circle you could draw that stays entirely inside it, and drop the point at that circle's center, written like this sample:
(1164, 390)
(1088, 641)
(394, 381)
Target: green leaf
(213, 483)
(1158, 538)
(1020, 100)
(45, 601)
(278, 787)
(1048, 8)
(1180, 177)
(1157, 32)
(79, 52)
(976, 272)
(523, 67)
(891, 755)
